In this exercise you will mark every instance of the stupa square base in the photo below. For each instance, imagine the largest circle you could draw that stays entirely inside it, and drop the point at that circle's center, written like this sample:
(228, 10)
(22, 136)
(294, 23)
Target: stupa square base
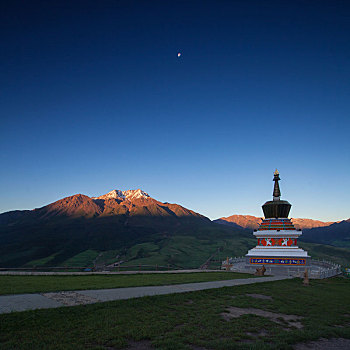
(278, 261)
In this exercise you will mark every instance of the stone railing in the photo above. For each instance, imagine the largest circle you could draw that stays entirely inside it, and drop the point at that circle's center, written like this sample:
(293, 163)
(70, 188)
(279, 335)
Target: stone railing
(236, 260)
(324, 269)
(318, 269)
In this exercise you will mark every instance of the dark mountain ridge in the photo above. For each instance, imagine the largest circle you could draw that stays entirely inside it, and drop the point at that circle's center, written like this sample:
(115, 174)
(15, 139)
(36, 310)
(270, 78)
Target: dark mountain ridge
(337, 234)
(78, 223)
(251, 222)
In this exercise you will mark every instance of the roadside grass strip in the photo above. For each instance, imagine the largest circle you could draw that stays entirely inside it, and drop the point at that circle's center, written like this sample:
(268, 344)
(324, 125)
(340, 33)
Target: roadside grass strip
(40, 284)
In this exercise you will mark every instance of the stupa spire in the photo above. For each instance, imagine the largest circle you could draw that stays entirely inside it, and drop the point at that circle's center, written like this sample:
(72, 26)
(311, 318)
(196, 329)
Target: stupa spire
(276, 189)
(276, 208)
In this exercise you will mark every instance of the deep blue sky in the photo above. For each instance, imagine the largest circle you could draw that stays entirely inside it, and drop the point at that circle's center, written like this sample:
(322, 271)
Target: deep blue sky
(94, 98)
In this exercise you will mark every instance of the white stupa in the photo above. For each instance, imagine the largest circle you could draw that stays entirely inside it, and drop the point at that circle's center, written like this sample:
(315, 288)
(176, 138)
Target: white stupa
(277, 236)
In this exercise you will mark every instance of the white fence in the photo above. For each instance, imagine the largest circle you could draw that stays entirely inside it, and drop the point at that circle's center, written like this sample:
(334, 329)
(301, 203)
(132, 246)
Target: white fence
(323, 269)
(318, 269)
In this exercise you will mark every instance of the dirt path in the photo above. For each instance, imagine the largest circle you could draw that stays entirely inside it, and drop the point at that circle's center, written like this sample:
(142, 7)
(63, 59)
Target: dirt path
(325, 344)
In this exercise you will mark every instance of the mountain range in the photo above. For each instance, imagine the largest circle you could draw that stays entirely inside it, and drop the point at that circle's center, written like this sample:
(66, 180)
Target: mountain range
(126, 204)
(131, 226)
(252, 222)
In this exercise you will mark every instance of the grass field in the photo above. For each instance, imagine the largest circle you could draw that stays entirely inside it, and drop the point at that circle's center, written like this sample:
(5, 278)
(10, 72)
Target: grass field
(189, 321)
(181, 251)
(34, 284)
(337, 255)
(192, 252)
(185, 251)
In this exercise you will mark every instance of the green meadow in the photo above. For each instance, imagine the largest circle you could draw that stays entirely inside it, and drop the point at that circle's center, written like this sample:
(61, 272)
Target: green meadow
(195, 320)
(191, 252)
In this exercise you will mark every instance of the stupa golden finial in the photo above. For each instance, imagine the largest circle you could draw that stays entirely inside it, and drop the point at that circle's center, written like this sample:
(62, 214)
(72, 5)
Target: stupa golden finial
(276, 172)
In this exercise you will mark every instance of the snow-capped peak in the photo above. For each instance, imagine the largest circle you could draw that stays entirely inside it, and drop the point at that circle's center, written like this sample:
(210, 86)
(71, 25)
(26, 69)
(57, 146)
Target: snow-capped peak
(113, 194)
(130, 194)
